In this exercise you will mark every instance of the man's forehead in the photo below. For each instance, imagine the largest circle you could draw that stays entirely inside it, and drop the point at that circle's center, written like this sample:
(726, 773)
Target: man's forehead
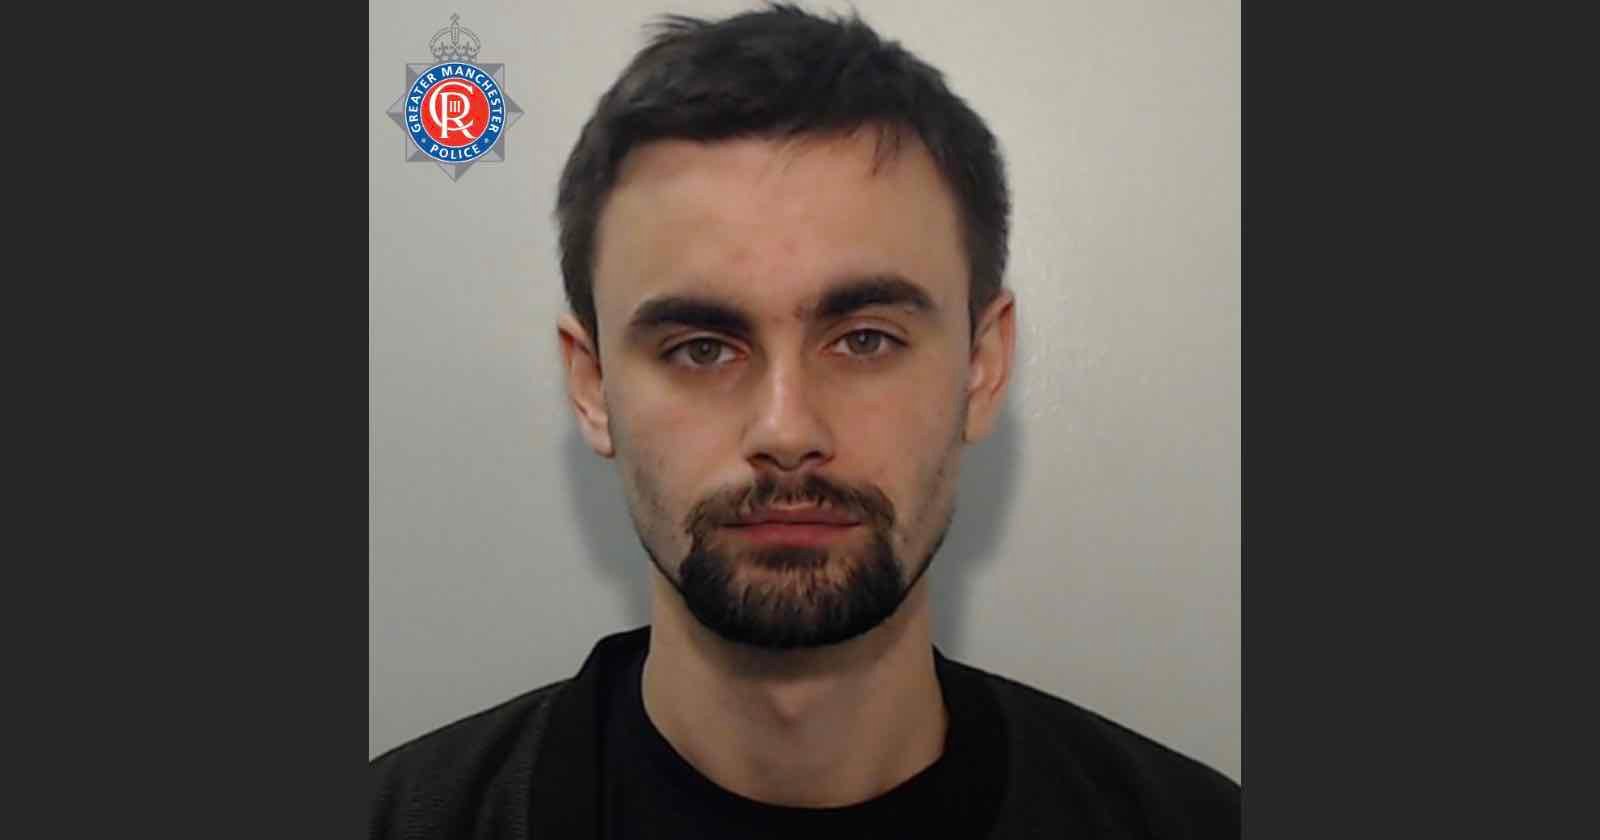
(776, 225)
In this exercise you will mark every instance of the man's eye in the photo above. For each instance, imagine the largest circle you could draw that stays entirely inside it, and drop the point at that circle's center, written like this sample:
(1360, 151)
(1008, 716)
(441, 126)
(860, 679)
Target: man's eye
(866, 343)
(701, 353)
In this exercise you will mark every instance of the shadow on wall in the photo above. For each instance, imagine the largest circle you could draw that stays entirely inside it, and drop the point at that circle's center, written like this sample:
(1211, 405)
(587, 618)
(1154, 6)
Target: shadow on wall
(984, 491)
(983, 495)
(602, 516)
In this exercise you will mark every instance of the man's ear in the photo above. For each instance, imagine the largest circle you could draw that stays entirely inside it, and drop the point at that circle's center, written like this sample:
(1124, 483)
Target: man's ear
(581, 359)
(989, 370)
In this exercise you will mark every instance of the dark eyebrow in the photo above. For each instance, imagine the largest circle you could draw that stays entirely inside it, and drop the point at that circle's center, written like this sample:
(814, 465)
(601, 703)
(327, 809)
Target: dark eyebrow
(874, 290)
(715, 316)
(697, 313)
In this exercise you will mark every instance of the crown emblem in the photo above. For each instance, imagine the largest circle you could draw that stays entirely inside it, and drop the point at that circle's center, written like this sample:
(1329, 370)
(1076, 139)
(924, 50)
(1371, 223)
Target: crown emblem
(455, 42)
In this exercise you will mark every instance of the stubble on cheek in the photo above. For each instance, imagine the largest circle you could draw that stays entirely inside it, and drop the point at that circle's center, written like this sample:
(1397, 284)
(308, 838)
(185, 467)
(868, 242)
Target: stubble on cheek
(646, 503)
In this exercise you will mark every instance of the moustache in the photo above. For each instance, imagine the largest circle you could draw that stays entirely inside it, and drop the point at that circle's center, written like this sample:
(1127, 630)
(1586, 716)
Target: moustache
(867, 503)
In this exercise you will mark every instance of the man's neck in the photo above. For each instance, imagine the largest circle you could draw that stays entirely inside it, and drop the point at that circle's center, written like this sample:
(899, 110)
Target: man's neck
(821, 727)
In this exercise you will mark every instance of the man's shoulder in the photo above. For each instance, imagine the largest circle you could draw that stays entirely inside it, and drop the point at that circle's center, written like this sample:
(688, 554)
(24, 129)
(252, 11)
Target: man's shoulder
(443, 776)
(1126, 770)
(1084, 726)
(464, 737)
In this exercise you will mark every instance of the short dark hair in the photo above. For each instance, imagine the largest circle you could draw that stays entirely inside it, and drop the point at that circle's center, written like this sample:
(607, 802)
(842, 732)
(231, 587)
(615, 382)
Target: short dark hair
(782, 72)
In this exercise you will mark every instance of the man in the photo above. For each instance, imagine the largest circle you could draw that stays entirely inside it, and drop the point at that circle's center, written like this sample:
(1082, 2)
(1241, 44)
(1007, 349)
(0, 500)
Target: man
(783, 241)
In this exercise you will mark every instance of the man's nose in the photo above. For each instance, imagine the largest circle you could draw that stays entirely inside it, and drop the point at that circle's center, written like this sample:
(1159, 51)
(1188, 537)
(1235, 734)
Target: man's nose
(788, 431)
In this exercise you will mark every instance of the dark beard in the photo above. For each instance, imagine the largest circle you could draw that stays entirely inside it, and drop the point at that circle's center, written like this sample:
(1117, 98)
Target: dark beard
(803, 597)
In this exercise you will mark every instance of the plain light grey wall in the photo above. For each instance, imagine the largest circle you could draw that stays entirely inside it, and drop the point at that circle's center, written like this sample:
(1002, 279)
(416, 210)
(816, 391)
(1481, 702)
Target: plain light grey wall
(1096, 549)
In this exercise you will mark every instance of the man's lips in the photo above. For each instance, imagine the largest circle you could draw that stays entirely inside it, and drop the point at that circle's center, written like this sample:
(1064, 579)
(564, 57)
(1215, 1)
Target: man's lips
(807, 526)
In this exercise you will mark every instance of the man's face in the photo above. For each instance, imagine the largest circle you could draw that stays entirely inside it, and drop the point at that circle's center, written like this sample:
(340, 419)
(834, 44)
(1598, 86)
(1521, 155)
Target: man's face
(784, 375)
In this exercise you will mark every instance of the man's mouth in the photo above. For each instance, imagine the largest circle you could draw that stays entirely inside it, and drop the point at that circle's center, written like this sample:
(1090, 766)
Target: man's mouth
(809, 526)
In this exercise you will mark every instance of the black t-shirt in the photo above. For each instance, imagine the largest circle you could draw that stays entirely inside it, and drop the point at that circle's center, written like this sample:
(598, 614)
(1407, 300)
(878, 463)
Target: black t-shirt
(650, 791)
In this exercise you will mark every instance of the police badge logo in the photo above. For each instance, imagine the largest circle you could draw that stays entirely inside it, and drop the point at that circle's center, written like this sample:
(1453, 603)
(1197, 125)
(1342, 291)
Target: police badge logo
(455, 111)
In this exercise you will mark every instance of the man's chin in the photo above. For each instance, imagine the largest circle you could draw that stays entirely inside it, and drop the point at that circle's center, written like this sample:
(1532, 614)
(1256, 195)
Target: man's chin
(792, 597)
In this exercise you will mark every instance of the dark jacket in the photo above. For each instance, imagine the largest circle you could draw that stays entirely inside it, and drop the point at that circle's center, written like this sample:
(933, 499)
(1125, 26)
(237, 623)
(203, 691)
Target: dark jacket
(529, 767)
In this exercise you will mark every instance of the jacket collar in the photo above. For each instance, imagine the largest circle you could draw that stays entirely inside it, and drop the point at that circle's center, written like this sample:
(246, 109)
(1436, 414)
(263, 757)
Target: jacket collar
(565, 798)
